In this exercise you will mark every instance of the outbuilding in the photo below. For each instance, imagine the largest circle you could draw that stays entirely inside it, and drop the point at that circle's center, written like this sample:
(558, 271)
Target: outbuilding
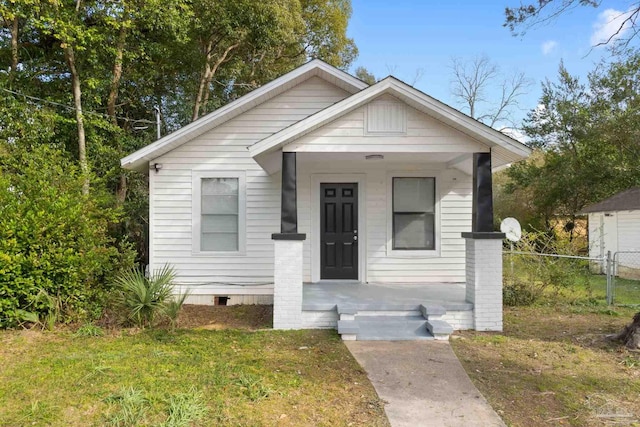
(614, 226)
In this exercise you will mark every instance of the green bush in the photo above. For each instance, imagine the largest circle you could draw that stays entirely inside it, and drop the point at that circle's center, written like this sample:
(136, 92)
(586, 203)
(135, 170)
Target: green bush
(56, 255)
(530, 277)
(519, 293)
(142, 299)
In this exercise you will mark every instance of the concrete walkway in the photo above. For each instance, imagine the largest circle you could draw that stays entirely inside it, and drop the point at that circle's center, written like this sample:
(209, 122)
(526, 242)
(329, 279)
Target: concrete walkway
(423, 383)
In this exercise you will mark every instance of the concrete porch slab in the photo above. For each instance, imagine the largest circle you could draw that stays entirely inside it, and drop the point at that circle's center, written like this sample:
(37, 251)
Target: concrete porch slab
(392, 296)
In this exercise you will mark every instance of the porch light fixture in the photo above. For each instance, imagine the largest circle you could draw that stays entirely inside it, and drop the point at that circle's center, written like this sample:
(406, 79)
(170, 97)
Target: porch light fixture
(156, 167)
(374, 157)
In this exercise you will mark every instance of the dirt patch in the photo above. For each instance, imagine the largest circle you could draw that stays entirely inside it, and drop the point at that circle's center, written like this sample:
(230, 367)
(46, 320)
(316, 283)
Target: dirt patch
(246, 317)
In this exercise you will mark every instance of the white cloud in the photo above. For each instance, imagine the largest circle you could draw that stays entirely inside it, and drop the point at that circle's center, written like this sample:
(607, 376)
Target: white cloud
(549, 46)
(611, 25)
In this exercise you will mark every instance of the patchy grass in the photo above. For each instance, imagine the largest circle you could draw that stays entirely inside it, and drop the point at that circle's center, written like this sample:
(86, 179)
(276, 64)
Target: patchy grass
(188, 378)
(553, 366)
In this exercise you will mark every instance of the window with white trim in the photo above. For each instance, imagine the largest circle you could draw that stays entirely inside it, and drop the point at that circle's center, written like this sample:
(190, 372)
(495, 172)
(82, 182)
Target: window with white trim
(413, 214)
(219, 212)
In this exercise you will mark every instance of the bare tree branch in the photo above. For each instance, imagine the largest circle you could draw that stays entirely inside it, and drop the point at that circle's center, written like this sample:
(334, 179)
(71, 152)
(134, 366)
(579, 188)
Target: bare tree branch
(473, 81)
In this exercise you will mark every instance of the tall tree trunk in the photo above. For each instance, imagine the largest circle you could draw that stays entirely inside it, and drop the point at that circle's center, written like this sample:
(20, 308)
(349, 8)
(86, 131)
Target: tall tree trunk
(117, 74)
(207, 76)
(121, 189)
(14, 45)
(69, 55)
(201, 88)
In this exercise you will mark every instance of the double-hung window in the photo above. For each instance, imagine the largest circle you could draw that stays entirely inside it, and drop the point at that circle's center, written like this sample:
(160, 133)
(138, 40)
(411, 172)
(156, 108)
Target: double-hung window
(413, 214)
(219, 212)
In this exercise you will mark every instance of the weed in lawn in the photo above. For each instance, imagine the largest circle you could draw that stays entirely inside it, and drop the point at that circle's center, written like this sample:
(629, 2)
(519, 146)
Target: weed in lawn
(630, 362)
(252, 387)
(89, 330)
(38, 412)
(128, 408)
(185, 408)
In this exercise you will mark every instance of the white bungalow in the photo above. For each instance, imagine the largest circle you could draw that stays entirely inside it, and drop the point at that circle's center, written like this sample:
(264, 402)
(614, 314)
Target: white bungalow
(342, 203)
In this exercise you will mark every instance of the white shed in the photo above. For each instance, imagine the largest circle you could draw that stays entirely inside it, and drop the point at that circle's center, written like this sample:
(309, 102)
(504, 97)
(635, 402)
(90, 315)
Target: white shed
(614, 226)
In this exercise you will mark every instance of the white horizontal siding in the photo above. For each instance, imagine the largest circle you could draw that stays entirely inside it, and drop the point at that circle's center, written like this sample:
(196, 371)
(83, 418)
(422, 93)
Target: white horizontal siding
(423, 134)
(455, 189)
(225, 148)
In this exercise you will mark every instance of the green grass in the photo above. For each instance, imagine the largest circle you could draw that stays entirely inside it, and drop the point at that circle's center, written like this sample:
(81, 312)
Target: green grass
(554, 366)
(569, 280)
(190, 377)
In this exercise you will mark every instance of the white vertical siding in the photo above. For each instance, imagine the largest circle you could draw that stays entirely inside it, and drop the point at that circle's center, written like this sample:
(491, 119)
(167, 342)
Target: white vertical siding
(225, 148)
(629, 231)
(595, 235)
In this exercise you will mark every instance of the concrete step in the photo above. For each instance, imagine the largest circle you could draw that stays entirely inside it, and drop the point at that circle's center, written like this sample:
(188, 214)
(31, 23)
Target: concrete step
(389, 328)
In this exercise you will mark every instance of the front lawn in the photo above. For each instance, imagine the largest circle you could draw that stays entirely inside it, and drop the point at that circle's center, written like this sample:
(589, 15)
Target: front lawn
(552, 366)
(191, 377)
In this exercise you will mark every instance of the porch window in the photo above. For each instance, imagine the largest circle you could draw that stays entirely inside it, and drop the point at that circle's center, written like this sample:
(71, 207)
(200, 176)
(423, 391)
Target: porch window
(414, 213)
(218, 214)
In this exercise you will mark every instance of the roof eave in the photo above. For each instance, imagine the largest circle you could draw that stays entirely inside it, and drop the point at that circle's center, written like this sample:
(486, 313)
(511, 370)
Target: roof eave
(140, 158)
(413, 97)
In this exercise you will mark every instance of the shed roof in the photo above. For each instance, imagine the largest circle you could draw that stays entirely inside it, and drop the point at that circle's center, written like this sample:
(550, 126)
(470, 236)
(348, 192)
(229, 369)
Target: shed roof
(628, 200)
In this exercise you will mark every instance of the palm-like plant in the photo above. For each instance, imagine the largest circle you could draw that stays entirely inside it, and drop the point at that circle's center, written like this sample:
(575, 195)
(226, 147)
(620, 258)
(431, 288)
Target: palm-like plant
(142, 298)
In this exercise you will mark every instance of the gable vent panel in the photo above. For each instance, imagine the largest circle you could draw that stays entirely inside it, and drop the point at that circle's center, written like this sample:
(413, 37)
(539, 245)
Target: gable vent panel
(386, 118)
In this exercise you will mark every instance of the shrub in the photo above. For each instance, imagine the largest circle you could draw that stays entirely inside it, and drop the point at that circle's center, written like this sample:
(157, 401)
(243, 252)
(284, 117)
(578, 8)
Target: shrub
(519, 293)
(530, 277)
(141, 299)
(56, 255)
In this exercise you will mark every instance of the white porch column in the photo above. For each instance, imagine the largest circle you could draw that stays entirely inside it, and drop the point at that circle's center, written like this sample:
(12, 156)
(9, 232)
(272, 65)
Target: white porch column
(484, 279)
(287, 290)
(484, 252)
(287, 271)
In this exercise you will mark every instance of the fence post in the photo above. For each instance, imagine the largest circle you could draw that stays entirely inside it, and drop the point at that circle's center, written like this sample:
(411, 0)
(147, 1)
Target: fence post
(609, 291)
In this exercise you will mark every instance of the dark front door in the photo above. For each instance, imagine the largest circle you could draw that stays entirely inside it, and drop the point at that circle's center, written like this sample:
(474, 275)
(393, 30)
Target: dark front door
(339, 231)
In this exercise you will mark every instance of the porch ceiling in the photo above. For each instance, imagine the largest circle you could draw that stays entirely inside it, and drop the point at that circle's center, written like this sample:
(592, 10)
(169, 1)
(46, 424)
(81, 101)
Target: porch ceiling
(272, 162)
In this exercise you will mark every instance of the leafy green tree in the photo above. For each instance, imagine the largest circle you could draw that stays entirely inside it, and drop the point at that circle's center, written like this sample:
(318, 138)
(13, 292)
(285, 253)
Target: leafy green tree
(586, 137)
(365, 75)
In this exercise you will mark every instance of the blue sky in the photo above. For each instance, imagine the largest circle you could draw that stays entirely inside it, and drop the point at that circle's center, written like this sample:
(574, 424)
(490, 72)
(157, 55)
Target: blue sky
(400, 37)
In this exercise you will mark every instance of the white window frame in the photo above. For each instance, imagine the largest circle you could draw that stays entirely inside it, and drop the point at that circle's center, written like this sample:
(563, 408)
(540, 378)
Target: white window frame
(403, 253)
(197, 177)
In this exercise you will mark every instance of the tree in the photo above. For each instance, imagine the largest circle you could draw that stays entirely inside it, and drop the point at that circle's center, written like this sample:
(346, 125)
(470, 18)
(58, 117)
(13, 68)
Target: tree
(363, 74)
(525, 16)
(99, 68)
(473, 80)
(588, 149)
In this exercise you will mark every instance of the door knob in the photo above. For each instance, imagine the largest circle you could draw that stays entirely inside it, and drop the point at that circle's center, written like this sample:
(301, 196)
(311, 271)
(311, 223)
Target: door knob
(355, 238)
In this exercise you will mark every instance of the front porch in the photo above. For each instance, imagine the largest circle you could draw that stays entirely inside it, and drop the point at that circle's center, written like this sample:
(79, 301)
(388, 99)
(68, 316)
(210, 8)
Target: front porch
(387, 311)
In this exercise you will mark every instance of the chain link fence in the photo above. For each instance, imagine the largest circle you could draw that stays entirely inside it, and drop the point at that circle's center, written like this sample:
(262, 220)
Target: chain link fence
(624, 278)
(612, 279)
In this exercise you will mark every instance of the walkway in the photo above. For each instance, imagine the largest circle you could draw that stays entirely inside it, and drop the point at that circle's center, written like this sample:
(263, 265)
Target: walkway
(423, 383)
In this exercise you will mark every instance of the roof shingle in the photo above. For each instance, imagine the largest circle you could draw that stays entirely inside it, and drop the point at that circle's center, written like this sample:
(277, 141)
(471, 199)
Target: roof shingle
(627, 200)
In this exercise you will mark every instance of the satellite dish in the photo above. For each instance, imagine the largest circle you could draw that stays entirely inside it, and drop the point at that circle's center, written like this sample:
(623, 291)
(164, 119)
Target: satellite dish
(511, 227)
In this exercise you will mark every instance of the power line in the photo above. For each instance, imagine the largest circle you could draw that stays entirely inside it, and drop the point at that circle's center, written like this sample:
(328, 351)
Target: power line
(68, 107)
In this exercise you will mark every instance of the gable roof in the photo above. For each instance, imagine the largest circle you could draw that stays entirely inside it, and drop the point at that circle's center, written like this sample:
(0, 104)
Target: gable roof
(627, 200)
(507, 149)
(140, 159)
